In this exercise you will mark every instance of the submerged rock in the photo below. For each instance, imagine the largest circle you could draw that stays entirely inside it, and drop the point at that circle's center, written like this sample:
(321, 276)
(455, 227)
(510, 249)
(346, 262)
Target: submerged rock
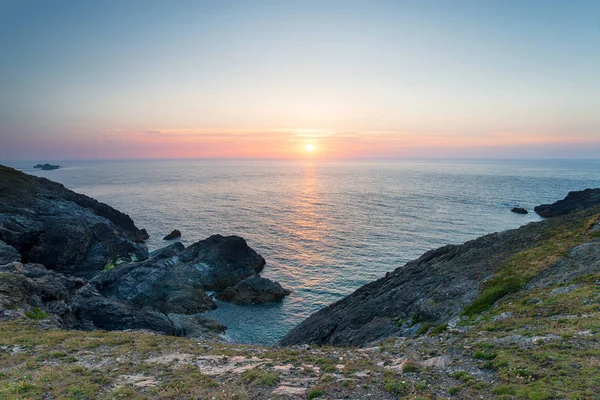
(574, 201)
(173, 235)
(254, 290)
(519, 210)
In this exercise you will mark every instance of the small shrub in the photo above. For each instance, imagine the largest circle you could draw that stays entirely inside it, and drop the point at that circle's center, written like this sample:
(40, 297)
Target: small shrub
(395, 387)
(109, 266)
(424, 328)
(264, 377)
(505, 389)
(463, 376)
(439, 329)
(482, 355)
(36, 314)
(453, 390)
(410, 367)
(330, 368)
(314, 393)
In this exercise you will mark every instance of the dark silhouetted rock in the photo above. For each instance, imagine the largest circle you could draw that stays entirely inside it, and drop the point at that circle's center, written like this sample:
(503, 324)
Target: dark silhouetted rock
(173, 235)
(573, 202)
(65, 231)
(254, 290)
(47, 167)
(519, 210)
(223, 260)
(8, 254)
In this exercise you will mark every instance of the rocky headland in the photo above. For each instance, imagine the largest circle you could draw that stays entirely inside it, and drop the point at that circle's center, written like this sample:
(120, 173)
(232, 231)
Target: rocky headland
(510, 315)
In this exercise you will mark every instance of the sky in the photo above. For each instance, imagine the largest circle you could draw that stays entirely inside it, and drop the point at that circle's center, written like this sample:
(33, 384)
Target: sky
(291, 79)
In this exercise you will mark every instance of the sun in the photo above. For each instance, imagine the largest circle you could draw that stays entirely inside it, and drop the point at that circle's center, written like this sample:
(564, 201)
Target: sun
(309, 147)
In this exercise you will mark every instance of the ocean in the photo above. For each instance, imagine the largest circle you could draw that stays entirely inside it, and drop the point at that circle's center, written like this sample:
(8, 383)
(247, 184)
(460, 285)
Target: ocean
(325, 228)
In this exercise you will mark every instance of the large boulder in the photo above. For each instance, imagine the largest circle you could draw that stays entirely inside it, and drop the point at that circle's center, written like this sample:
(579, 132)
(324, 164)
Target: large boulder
(254, 290)
(66, 231)
(175, 279)
(574, 201)
(223, 261)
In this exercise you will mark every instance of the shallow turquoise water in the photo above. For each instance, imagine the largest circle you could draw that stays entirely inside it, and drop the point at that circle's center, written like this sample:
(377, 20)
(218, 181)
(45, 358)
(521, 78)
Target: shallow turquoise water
(325, 229)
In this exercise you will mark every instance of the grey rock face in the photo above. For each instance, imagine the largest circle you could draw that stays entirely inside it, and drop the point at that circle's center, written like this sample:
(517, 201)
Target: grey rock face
(434, 288)
(222, 261)
(254, 290)
(174, 279)
(573, 202)
(66, 231)
(71, 303)
(8, 254)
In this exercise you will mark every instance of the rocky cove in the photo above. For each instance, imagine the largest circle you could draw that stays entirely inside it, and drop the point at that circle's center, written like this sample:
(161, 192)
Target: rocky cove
(85, 264)
(509, 315)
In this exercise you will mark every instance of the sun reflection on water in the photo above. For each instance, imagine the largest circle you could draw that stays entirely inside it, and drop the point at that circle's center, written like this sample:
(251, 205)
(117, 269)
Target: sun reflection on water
(309, 228)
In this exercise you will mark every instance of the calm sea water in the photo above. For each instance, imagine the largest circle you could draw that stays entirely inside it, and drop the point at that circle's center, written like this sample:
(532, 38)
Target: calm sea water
(325, 229)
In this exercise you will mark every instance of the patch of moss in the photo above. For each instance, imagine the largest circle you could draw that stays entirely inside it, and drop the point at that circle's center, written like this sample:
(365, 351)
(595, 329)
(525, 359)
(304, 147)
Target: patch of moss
(314, 393)
(36, 314)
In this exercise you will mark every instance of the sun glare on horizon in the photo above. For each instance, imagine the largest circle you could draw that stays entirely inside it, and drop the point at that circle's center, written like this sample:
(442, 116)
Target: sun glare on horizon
(309, 147)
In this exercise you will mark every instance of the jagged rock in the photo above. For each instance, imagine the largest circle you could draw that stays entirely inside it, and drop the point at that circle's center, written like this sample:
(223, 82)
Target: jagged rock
(173, 235)
(34, 286)
(223, 260)
(103, 313)
(519, 210)
(436, 287)
(574, 201)
(254, 290)
(8, 254)
(72, 303)
(171, 250)
(174, 279)
(77, 237)
(66, 231)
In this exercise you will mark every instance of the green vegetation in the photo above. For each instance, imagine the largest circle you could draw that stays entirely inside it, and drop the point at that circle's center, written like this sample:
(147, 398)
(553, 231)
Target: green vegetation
(399, 388)
(36, 314)
(263, 377)
(314, 393)
(439, 329)
(425, 326)
(109, 266)
(519, 269)
(410, 367)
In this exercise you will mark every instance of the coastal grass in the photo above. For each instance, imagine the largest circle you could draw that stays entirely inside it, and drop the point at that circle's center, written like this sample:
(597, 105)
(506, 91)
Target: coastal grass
(519, 269)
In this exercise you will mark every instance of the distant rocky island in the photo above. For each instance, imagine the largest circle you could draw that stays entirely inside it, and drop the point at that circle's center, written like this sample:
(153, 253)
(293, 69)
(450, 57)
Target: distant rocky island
(510, 315)
(46, 167)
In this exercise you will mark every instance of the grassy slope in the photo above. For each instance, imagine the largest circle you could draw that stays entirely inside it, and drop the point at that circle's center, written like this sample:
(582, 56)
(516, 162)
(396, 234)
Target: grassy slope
(510, 343)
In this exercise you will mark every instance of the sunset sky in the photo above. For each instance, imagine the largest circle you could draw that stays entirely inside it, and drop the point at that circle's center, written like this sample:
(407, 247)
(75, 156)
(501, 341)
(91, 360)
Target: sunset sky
(265, 79)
